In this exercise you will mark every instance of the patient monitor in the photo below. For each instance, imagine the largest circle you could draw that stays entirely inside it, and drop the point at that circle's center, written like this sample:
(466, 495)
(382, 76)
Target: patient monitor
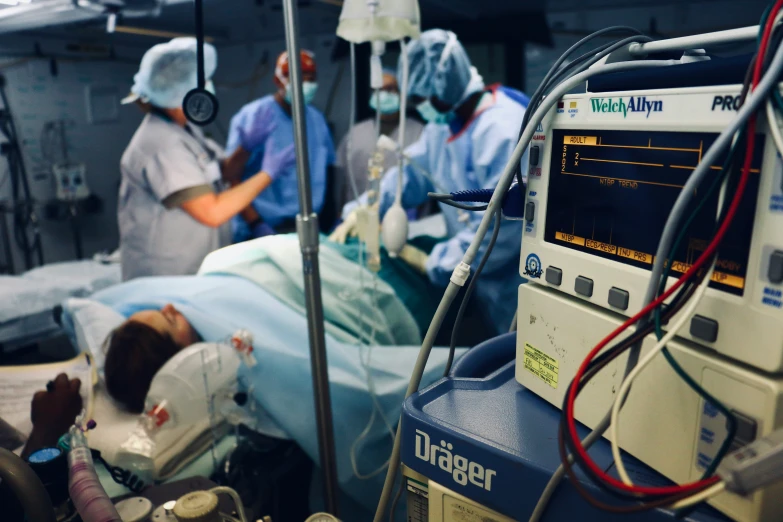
(605, 170)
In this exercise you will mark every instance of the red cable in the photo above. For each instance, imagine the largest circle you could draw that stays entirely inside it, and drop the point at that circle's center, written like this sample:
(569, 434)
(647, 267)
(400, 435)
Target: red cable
(696, 266)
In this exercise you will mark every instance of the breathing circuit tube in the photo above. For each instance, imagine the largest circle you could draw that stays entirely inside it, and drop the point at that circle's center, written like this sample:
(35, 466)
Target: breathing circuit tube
(87, 493)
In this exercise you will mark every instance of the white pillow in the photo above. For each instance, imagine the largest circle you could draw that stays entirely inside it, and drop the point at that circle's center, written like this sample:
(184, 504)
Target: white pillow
(92, 322)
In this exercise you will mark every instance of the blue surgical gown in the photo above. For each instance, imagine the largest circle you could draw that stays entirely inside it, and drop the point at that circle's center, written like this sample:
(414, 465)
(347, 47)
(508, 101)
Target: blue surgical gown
(472, 159)
(280, 201)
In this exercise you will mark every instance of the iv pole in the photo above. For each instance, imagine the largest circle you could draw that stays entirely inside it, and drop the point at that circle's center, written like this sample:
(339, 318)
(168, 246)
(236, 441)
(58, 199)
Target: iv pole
(307, 229)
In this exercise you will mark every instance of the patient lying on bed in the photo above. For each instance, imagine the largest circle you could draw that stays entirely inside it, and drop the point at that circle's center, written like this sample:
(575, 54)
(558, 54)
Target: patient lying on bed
(374, 328)
(395, 309)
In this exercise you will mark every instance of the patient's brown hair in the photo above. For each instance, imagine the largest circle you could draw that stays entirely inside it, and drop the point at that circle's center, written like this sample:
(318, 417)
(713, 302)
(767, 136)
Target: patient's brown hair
(135, 354)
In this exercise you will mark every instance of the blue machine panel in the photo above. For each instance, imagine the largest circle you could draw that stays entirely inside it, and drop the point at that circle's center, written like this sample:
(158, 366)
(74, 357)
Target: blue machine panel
(495, 442)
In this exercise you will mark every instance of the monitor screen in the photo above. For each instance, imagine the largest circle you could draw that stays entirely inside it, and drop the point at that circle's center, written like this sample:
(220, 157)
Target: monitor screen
(611, 191)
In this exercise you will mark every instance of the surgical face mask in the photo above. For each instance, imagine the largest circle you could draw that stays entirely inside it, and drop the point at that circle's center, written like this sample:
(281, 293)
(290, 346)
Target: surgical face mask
(389, 102)
(308, 92)
(431, 115)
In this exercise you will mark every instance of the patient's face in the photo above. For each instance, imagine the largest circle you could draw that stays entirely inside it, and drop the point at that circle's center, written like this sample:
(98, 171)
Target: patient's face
(168, 321)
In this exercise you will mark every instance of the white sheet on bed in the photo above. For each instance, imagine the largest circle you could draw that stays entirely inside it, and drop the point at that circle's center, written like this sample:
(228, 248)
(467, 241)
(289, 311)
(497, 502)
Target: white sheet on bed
(41, 289)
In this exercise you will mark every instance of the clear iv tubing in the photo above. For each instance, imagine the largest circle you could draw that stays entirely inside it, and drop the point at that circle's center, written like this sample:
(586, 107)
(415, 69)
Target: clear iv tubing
(403, 117)
(88, 496)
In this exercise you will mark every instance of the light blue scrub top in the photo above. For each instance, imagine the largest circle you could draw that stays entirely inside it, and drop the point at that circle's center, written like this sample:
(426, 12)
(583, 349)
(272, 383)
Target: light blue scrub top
(472, 159)
(280, 200)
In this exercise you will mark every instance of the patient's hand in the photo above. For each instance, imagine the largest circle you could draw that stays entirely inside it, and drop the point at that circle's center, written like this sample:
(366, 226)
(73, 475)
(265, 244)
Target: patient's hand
(350, 227)
(416, 258)
(53, 412)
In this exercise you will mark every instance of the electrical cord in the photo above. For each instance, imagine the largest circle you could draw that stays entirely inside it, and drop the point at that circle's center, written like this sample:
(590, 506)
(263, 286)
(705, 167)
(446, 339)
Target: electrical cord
(646, 360)
(682, 297)
(743, 114)
(555, 72)
(468, 293)
(599, 430)
(754, 101)
(397, 498)
(494, 206)
(726, 174)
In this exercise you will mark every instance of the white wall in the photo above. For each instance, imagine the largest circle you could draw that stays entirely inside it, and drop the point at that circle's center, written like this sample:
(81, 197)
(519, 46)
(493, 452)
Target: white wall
(35, 97)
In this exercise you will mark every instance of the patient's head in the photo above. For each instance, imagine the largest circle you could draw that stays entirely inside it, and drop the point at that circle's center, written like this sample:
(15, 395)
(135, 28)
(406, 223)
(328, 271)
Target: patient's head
(138, 348)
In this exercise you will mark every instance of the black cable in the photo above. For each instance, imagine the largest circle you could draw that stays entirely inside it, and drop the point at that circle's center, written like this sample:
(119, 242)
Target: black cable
(466, 298)
(558, 70)
(397, 499)
(600, 362)
(462, 206)
(610, 354)
(199, 13)
(23, 213)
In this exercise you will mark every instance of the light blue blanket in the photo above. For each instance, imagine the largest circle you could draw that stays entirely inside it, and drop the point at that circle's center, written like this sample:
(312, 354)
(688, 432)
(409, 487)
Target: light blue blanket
(281, 382)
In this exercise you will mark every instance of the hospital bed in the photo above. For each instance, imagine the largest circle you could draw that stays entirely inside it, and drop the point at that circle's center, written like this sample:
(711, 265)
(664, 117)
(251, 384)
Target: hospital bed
(281, 378)
(28, 300)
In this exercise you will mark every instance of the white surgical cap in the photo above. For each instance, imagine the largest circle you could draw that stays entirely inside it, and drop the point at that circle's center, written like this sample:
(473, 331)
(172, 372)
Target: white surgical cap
(168, 71)
(440, 67)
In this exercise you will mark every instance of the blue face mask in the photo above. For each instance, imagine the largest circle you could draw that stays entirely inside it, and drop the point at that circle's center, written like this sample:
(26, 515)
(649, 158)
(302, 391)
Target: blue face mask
(389, 102)
(308, 92)
(431, 115)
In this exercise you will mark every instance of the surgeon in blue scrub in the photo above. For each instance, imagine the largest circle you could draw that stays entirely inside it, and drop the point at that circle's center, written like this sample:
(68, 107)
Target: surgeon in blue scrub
(471, 133)
(264, 127)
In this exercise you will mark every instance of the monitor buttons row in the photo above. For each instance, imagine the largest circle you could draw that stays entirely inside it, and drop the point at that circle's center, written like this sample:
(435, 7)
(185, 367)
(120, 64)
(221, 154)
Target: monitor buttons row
(618, 298)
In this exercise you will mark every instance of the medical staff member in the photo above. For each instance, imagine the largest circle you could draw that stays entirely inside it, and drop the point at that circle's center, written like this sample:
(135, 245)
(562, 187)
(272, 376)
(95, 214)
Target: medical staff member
(470, 137)
(264, 127)
(363, 139)
(172, 208)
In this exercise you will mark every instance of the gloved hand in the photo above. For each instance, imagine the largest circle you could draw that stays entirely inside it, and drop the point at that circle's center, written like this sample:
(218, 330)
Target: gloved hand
(253, 133)
(276, 162)
(261, 229)
(416, 258)
(348, 228)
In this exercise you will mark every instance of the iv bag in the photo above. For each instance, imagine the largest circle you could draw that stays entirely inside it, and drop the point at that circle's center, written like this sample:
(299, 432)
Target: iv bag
(393, 20)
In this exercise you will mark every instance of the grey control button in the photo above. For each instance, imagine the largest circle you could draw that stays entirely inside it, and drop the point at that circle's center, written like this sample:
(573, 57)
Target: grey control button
(775, 271)
(535, 155)
(554, 276)
(583, 286)
(704, 328)
(530, 211)
(618, 298)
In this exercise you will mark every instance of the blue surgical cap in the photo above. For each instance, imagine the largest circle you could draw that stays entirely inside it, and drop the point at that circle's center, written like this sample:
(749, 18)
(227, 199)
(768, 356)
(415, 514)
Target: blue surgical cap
(168, 71)
(439, 66)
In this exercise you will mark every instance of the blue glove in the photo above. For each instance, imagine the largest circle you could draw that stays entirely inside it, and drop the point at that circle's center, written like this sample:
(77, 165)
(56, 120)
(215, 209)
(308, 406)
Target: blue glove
(256, 129)
(277, 162)
(261, 229)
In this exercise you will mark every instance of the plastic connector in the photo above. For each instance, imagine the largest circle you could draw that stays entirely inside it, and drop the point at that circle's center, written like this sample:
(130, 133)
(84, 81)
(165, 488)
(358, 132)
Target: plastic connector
(754, 466)
(460, 274)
